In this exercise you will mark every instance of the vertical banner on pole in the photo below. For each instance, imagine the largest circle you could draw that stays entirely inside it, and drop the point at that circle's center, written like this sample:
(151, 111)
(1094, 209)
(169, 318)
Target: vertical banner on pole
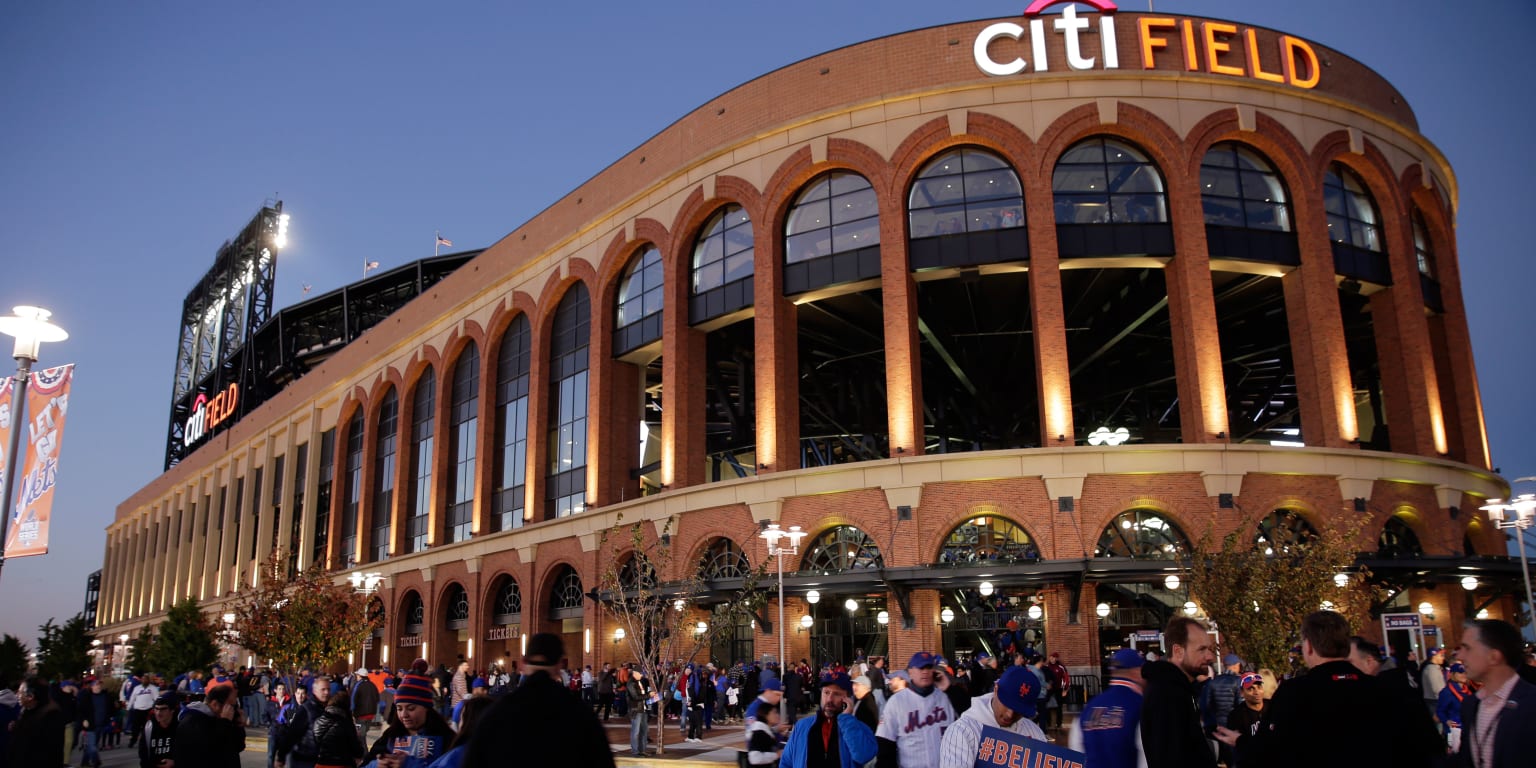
(7, 391)
(47, 404)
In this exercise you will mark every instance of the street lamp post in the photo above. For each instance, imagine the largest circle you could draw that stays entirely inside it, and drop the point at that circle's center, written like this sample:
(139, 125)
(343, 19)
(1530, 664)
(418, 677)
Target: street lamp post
(367, 584)
(775, 536)
(1517, 513)
(31, 328)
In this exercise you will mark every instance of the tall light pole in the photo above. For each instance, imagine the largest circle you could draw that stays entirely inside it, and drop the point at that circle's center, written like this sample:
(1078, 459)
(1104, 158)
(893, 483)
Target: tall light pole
(774, 535)
(1517, 513)
(31, 328)
(367, 584)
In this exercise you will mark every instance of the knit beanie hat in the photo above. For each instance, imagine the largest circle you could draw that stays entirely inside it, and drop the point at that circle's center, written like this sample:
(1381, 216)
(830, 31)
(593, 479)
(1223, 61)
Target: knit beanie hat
(414, 689)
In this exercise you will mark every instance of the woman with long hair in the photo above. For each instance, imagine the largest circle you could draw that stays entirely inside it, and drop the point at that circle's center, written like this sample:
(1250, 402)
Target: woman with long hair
(469, 716)
(417, 734)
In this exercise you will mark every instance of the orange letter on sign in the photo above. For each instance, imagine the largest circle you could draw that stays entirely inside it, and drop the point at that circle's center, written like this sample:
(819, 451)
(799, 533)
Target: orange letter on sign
(1191, 59)
(1253, 60)
(1214, 49)
(1148, 42)
(1291, 46)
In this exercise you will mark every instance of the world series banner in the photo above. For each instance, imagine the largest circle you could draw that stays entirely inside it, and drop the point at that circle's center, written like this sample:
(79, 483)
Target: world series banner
(47, 403)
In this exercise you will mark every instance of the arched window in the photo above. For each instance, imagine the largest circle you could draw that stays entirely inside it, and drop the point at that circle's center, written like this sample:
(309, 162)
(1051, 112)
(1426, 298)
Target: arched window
(1107, 181)
(1423, 249)
(969, 193)
(456, 607)
(722, 265)
(512, 364)
(836, 219)
(352, 500)
(1239, 188)
(723, 560)
(636, 572)
(1143, 534)
(566, 492)
(384, 473)
(637, 317)
(842, 548)
(988, 539)
(422, 406)
(414, 613)
(1352, 216)
(464, 421)
(1398, 540)
(509, 603)
(1282, 531)
(565, 595)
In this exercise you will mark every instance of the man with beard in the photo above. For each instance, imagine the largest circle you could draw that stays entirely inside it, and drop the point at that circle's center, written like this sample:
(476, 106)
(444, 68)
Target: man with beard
(1170, 721)
(1011, 707)
(834, 738)
(1331, 715)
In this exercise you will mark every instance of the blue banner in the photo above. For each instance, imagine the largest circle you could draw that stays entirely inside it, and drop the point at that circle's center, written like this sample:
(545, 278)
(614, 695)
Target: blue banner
(1005, 749)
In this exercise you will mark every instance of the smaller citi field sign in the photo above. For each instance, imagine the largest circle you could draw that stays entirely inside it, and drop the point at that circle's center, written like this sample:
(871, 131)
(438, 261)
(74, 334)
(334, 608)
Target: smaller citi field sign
(1070, 41)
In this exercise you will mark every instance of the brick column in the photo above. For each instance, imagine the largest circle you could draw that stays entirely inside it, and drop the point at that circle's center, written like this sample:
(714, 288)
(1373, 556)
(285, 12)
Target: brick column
(903, 363)
(1192, 317)
(1053, 367)
(925, 634)
(1317, 333)
(776, 344)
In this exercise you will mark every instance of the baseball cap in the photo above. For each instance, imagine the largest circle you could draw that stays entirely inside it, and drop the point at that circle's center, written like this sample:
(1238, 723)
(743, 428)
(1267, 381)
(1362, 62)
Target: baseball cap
(167, 699)
(1251, 679)
(922, 659)
(1435, 650)
(839, 679)
(1126, 658)
(1230, 659)
(900, 674)
(1455, 667)
(1018, 689)
(863, 680)
(982, 656)
(773, 684)
(479, 683)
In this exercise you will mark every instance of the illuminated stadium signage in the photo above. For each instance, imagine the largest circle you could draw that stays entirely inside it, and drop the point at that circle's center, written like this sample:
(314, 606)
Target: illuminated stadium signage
(1163, 42)
(207, 414)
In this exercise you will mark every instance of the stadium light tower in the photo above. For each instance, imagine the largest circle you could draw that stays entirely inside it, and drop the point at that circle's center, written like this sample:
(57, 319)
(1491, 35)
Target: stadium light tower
(31, 328)
(774, 535)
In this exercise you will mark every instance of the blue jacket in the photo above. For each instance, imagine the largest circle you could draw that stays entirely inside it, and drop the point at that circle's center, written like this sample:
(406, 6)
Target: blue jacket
(453, 758)
(1448, 709)
(855, 742)
(1110, 726)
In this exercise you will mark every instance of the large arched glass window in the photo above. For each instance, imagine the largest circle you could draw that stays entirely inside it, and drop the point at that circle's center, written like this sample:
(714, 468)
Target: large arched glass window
(566, 492)
(722, 265)
(1239, 188)
(1107, 181)
(513, 360)
(464, 421)
(723, 560)
(1352, 215)
(637, 317)
(832, 233)
(1398, 540)
(352, 500)
(385, 437)
(422, 406)
(508, 608)
(456, 607)
(842, 548)
(414, 613)
(1143, 534)
(565, 594)
(1282, 532)
(986, 539)
(964, 190)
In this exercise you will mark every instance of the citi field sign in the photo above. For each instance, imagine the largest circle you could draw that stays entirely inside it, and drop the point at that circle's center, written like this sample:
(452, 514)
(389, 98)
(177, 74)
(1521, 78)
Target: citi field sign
(209, 413)
(1162, 42)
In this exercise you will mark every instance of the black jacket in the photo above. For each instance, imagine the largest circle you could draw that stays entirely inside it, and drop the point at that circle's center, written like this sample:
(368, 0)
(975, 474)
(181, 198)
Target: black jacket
(1334, 715)
(297, 737)
(335, 739)
(157, 743)
(204, 739)
(365, 698)
(547, 724)
(38, 737)
(1170, 721)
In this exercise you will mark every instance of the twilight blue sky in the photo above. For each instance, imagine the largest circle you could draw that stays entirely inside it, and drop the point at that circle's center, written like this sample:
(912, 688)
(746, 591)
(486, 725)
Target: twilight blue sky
(137, 137)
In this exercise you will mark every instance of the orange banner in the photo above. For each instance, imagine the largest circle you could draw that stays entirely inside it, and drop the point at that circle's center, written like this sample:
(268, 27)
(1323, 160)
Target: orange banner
(47, 403)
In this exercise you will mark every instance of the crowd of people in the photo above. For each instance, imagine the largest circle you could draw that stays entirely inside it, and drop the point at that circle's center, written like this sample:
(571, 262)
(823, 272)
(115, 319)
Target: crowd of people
(1341, 702)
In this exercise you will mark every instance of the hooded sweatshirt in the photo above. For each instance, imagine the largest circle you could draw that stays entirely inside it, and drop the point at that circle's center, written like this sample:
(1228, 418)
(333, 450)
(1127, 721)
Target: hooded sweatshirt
(962, 739)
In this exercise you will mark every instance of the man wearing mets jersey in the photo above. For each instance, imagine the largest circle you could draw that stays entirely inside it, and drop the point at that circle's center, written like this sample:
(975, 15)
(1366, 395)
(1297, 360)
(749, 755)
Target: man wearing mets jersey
(913, 723)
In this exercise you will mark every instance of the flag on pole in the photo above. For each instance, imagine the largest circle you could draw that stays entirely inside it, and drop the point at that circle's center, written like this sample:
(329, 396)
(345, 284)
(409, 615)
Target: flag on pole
(46, 407)
(443, 241)
(371, 265)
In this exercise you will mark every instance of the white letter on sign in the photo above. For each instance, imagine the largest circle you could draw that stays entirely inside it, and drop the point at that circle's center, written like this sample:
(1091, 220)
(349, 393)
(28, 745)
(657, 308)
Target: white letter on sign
(984, 60)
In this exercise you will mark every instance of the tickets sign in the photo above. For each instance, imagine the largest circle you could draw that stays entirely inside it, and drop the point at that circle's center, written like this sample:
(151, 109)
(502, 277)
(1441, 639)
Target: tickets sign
(1162, 42)
(47, 403)
(1005, 749)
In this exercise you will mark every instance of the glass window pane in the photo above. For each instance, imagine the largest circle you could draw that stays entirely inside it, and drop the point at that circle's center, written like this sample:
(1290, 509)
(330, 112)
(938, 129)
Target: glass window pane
(991, 185)
(738, 266)
(808, 245)
(976, 160)
(808, 217)
(943, 190)
(843, 183)
(1222, 212)
(738, 239)
(1134, 178)
(1091, 151)
(707, 276)
(1215, 181)
(859, 234)
(854, 206)
(997, 214)
(1079, 178)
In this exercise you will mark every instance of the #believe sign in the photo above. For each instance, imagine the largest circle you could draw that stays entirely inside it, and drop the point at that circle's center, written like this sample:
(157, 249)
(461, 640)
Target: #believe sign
(1163, 42)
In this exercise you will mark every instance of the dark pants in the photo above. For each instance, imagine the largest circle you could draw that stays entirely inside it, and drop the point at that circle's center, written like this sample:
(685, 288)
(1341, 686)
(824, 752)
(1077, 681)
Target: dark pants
(136, 720)
(1054, 713)
(604, 704)
(696, 722)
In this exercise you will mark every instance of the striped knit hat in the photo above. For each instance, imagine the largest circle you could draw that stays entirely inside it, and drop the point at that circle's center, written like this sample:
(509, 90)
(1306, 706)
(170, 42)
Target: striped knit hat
(414, 689)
